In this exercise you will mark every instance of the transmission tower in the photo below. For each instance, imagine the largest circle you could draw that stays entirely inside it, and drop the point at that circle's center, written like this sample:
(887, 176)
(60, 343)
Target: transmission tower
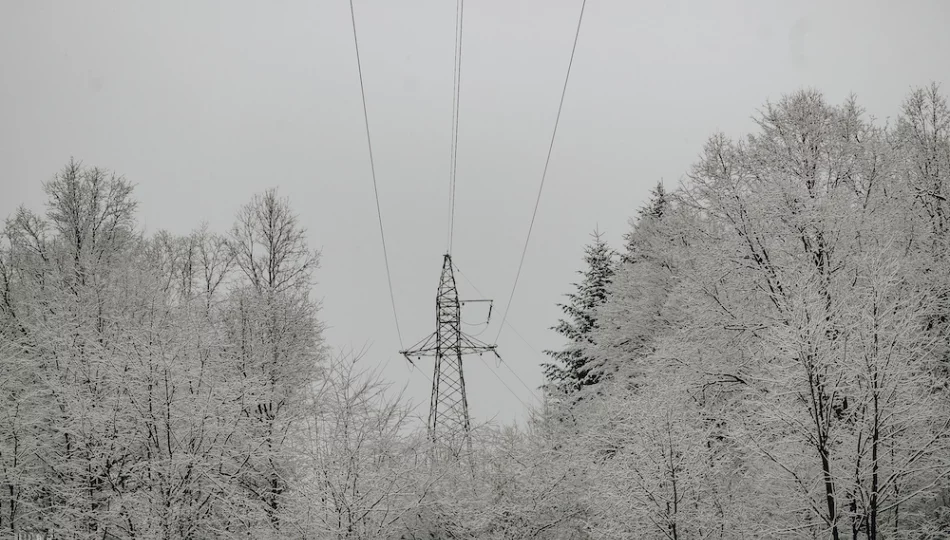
(449, 427)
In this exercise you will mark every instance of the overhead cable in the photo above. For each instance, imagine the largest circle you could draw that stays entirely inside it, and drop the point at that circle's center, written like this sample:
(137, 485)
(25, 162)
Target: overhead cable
(544, 174)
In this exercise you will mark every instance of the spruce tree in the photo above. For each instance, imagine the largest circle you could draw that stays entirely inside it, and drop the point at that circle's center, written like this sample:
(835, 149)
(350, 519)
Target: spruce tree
(571, 370)
(633, 315)
(646, 216)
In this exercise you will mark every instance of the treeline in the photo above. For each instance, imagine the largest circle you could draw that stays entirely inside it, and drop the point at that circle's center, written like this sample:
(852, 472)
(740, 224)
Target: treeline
(766, 357)
(174, 386)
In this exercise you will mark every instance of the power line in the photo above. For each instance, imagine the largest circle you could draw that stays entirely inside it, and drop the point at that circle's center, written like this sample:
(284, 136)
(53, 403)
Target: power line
(544, 174)
(533, 393)
(513, 329)
(427, 378)
(502, 381)
(456, 97)
(372, 165)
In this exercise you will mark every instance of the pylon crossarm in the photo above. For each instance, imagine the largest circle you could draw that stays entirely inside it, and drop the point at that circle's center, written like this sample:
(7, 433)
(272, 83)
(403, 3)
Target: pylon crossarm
(473, 350)
(475, 345)
(425, 347)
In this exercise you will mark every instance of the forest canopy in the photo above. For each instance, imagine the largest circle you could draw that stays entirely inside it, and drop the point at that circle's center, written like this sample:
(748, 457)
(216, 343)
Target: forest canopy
(766, 356)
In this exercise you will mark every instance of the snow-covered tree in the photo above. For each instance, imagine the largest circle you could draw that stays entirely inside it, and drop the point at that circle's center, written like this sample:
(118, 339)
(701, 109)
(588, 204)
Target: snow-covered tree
(923, 136)
(633, 316)
(123, 414)
(357, 463)
(571, 371)
(779, 327)
(275, 342)
(647, 218)
(789, 226)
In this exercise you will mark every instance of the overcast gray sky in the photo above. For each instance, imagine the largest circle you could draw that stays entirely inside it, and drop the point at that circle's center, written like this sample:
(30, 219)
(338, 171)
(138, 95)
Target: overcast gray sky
(202, 104)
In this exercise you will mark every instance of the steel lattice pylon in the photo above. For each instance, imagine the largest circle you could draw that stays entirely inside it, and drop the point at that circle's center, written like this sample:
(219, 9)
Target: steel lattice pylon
(449, 426)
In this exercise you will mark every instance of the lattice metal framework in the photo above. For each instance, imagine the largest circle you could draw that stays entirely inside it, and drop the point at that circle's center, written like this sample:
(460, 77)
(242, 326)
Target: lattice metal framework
(449, 425)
